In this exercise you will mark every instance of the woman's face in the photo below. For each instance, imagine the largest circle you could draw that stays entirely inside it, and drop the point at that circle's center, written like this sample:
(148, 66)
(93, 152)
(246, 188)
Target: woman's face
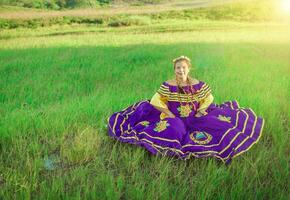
(181, 70)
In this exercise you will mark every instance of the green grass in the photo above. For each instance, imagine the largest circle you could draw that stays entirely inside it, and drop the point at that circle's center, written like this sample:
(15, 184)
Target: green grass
(55, 82)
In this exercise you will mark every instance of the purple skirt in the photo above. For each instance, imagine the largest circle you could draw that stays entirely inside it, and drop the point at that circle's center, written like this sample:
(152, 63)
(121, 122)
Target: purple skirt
(225, 132)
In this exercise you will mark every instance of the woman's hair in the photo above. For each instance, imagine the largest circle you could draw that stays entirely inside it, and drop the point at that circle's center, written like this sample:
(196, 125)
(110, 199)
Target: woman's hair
(189, 79)
(182, 58)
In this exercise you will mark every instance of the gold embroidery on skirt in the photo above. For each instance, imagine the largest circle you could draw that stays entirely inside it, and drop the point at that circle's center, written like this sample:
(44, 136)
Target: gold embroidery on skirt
(144, 123)
(200, 137)
(161, 126)
(224, 118)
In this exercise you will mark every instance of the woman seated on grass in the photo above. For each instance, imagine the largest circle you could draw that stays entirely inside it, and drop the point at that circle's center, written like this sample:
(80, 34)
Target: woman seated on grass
(181, 120)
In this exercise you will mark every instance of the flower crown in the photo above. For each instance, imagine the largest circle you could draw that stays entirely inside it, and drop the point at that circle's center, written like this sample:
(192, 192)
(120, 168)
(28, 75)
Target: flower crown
(180, 58)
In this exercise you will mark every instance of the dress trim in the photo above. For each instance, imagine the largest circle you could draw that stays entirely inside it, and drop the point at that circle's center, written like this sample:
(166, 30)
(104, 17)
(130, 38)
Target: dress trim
(261, 130)
(173, 96)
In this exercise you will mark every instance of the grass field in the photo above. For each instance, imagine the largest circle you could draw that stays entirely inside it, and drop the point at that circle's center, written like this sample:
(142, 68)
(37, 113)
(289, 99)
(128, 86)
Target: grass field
(61, 81)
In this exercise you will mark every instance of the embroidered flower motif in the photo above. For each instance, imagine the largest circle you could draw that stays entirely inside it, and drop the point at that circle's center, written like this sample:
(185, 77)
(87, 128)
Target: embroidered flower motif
(224, 118)
(184, 110)
(161, 126)
(200, 137)
(145, 123)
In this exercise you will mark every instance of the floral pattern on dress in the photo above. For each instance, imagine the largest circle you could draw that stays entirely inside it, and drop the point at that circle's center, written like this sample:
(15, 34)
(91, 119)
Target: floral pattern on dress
(161, 126)
(184, 111)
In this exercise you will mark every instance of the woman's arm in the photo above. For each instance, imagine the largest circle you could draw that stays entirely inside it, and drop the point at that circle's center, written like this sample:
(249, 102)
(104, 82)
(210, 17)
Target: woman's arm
(160, 103)
(167, 112)
(204, 104)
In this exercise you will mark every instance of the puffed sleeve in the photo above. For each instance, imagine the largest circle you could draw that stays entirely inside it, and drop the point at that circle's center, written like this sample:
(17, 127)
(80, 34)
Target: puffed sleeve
(205, 97)
(164, 90)
(160, 98)
(205, 103)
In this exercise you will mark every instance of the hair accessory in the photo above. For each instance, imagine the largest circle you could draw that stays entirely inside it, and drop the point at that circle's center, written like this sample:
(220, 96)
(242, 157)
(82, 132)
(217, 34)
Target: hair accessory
(181, 58)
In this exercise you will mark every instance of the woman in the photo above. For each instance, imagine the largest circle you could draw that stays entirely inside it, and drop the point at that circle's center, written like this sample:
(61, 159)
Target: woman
(182, 120)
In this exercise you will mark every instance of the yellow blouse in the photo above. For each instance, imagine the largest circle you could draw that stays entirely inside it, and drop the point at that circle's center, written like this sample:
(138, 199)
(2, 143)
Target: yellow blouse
(161, 101)
(205, 103)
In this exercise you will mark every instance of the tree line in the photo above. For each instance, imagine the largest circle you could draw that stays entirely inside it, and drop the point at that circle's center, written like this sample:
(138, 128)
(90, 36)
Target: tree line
(60, 4)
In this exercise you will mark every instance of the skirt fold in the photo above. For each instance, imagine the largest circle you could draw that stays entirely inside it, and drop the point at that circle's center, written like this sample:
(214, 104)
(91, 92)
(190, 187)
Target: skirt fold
(227, 131)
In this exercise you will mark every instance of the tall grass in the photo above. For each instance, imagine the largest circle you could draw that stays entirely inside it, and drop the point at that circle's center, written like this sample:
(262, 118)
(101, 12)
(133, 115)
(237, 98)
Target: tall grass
(54, 85)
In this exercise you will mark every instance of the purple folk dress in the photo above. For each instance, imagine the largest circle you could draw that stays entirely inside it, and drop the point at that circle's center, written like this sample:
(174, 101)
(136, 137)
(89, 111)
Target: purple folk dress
(226, 131)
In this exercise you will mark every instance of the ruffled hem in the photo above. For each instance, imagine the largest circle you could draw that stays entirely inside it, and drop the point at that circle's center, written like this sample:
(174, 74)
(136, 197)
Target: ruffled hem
(226, 132)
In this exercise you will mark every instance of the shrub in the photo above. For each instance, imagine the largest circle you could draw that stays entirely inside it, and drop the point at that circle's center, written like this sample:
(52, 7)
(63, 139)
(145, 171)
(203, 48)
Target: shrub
(129, 21)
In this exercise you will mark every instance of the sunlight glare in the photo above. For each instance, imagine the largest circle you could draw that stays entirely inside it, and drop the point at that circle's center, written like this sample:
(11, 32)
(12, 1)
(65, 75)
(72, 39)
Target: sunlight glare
(285, 5)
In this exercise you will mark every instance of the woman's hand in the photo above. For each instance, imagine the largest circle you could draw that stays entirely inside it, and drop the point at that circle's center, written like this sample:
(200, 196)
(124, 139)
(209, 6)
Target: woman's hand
(170, 115)
(200, 113)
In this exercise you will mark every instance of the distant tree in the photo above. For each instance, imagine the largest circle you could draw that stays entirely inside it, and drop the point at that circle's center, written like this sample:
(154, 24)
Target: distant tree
(5, 2)
(61, 3)
(57, 4)
(33, 4)
(105, 1)
(81, 3)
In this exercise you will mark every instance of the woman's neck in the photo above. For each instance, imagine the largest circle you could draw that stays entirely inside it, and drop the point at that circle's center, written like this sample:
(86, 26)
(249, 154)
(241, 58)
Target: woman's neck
(182, 81)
